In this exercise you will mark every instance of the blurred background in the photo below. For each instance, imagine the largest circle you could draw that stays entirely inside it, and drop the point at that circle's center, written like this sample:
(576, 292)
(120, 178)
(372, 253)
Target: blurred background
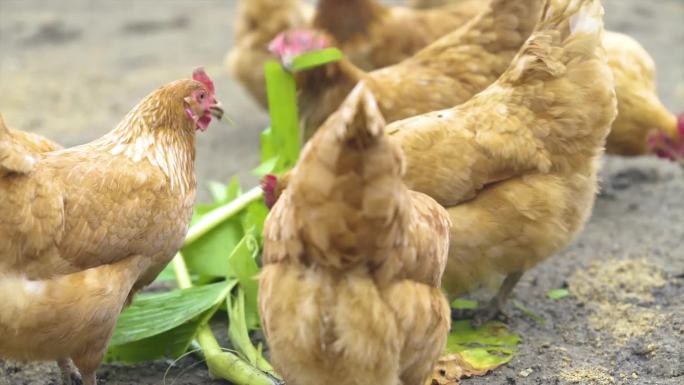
(71, 69)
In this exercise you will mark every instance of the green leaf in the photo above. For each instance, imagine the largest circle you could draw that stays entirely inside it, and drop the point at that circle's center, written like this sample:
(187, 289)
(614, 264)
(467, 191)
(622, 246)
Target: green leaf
(282, 106)
(464, 304)
(315, 59)
(172, 343)
(239, 333)
(254, 218)
(209, 254)
(269, 148)
(243, 263)
(168, 274)
(218, 191)
(484, 348)
(529, 313)
(233, 190)
(266, 167)
(153, 314)
(557, 294)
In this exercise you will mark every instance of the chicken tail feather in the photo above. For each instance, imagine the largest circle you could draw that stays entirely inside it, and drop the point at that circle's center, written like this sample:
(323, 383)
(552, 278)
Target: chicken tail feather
(349, 180)
(13, 158)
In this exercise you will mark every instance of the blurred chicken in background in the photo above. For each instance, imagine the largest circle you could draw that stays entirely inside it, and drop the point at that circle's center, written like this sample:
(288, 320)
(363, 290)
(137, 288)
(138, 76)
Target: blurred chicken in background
(373, 35)
(444, 74)
(257, 23)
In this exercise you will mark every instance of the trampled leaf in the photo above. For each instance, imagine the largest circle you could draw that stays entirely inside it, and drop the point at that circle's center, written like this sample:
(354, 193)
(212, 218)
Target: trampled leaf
(474, 352)
(557, 294)
(464, 304)
(153, 314)
(243, 263)
(528, 312)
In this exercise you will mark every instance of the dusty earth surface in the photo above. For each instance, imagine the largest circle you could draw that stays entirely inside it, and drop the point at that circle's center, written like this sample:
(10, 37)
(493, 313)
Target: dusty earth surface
(71, 69)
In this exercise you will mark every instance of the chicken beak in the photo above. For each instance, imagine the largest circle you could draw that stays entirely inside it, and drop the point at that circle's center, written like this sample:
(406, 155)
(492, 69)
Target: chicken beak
(217, 110)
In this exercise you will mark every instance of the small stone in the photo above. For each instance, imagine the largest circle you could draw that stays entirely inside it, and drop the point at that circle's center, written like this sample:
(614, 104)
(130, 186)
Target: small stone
(526, 372)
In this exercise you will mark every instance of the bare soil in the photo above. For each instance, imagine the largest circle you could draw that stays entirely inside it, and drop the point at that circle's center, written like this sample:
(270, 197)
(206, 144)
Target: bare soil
(71, 69)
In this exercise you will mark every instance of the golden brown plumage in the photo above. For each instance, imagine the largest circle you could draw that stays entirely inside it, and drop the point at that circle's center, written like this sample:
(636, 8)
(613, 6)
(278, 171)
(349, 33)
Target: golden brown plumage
(121, 202)
(33, 142)
(373, 35)
(356, 259)
(445, 73)
(257, 23)
(516, 165)
(640, 111)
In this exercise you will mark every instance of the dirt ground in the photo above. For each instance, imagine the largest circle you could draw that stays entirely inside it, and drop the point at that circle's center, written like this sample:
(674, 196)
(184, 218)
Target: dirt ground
(71, 69)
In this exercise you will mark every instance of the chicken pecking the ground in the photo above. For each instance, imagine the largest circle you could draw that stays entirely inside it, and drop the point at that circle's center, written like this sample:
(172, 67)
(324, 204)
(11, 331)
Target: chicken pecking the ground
(86, 227)
(357, 258)
(374, 35)
(257, 23)
(640, 111)
(445, 73)
(516, 165)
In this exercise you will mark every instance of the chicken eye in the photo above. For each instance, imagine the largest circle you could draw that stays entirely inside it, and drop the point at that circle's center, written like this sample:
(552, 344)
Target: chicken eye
(202, 96)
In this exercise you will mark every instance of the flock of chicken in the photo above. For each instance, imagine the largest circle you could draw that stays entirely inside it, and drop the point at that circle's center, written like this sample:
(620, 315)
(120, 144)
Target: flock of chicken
(456, 144)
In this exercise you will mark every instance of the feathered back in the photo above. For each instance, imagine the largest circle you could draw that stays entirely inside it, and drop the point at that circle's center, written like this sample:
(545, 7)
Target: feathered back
(346, 194)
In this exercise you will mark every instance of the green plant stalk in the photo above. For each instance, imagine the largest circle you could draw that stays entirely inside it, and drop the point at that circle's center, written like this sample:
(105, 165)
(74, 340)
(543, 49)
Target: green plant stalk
(221, 363)
(219, 215)
(239, 336)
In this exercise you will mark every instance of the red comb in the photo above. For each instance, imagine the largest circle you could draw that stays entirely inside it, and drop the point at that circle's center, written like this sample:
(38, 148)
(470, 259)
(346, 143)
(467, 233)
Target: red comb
(199, 75)
(295, 42)
(680, 126)
(268, 185)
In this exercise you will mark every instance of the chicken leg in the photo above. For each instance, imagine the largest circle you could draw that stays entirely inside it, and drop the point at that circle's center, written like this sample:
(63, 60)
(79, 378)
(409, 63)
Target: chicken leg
(70, 375)
(496, 304)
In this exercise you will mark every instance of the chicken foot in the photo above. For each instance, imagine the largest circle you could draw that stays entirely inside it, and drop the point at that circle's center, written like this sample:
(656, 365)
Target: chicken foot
(495, 307)
(70, 375)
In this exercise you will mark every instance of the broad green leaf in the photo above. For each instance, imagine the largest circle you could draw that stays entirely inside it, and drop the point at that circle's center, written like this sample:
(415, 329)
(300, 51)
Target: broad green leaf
(484, 348)
(464, 304)
(529, 313)
(170, 344)
(154, 314)
(557, 294)
(243, 263)
(314, 59)
(209, 254)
